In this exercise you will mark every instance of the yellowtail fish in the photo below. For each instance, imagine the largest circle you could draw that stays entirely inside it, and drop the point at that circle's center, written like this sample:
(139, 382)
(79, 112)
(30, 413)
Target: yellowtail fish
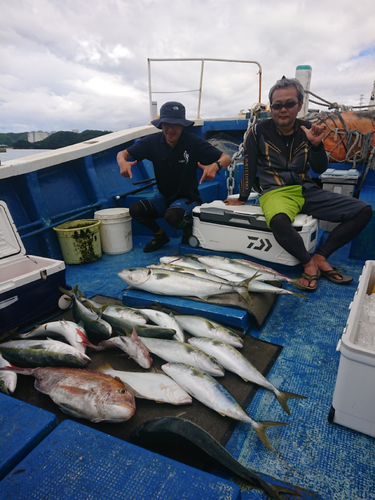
(202, 327)
(166, 321)
(150, 385)
(87, 394)
(41, 352)
(235, 362)
(209, 392)
(179, 352)
(166, 282)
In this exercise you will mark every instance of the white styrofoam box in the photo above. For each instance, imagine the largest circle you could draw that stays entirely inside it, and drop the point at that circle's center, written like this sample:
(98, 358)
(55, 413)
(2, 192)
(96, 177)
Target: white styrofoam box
(28, 283)
(243, 229)
(353, 402)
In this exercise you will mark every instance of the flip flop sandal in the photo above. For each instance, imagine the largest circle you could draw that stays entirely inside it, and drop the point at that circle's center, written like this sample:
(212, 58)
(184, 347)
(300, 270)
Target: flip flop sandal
(309, 278)
(330, 276)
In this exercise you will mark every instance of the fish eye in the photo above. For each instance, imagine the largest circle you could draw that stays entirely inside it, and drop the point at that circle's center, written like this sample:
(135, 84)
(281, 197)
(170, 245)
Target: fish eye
(122, 391)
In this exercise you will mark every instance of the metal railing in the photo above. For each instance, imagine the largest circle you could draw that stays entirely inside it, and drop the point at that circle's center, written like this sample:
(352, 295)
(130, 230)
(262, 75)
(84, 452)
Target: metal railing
(199, 90)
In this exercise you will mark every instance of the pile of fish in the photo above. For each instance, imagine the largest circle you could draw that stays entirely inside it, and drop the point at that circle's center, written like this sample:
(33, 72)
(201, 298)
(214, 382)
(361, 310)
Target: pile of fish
(205, 276)
(55, 354)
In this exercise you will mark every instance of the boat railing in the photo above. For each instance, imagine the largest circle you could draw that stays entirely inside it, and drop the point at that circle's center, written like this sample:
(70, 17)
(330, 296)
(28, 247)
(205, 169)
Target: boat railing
(199, 89)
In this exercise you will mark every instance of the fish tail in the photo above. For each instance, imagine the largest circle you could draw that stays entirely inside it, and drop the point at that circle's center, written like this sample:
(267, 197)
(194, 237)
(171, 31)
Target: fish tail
(261, 427)
(70, 293)
(283, 396)
(245, 295)
(298, 294)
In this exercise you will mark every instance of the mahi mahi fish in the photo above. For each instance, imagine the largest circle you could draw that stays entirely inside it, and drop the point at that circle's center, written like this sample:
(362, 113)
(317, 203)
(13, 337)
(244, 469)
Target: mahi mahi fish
(86, 394)
(179, 352)
(202, 327)
(41, 352)
(132, 346)
(150, 385)
(235, 362)
(74, 334)
(209, 392)
(165, 282)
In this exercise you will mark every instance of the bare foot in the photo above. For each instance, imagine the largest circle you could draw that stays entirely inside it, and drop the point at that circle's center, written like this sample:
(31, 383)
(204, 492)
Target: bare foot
(312, 269)
(322, 264)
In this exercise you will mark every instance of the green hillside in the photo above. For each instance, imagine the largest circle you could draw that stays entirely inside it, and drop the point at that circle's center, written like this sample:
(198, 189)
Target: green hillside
(54, 141)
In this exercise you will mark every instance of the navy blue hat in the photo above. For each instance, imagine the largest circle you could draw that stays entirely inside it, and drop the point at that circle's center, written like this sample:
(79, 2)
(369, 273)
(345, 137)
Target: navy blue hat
(174, 113)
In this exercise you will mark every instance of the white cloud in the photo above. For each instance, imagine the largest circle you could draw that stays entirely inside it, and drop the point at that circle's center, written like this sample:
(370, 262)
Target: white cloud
(68, 65)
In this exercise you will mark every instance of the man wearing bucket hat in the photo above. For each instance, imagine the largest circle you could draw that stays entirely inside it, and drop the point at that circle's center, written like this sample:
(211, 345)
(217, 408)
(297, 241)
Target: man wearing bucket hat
(176, 155)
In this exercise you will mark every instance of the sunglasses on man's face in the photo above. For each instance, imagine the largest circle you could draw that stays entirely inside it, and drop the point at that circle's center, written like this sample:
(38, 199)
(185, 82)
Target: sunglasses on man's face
(287, 105)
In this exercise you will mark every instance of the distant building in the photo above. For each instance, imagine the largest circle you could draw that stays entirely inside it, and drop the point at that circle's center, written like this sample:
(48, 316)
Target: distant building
(37, 136)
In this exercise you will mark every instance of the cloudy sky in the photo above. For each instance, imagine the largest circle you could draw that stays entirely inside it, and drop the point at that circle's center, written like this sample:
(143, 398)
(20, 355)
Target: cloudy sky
(82, 64)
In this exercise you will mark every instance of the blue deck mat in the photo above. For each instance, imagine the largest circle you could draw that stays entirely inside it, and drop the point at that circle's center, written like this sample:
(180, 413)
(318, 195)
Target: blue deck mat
(75, 462)
(23, 427)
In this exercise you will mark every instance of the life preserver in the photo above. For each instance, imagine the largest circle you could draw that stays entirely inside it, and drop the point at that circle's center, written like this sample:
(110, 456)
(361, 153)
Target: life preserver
(350, 135)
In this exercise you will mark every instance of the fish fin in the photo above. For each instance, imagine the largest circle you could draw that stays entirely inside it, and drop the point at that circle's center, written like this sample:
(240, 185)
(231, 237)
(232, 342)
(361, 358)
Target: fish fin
(260, 429)
(69, 410)
(283, 396)
(103, 367)
(76, 391)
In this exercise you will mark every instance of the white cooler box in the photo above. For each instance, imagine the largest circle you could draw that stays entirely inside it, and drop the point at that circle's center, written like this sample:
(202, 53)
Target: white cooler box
(28, 284)
(243, 229)
(353, 404)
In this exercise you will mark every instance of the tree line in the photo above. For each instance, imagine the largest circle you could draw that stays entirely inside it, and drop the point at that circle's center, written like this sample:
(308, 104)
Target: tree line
(54, 141)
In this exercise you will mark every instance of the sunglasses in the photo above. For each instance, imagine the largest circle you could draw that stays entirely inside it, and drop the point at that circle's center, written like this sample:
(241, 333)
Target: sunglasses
(286, 105)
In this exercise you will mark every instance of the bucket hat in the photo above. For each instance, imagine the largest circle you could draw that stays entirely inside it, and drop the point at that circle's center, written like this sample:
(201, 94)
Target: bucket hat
(174, 113)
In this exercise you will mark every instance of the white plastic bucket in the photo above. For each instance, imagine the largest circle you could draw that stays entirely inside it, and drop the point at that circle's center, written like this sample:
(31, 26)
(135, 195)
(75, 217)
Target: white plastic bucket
(115, 230)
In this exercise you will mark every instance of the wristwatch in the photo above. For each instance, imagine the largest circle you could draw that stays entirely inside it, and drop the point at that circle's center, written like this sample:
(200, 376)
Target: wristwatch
(219, 164)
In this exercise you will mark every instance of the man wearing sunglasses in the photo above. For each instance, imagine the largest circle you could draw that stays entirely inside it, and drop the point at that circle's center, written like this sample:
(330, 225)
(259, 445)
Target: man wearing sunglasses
(281, 150)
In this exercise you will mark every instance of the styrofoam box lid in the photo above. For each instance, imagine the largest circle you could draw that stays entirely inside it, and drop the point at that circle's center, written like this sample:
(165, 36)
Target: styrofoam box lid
(300, 220)
(10, 242)
(340, 175)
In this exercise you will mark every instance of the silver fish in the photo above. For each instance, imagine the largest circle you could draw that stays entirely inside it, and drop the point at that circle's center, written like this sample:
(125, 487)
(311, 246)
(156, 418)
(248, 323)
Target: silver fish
(86, 394)
(255, 285)
(209, 392)
(133, 316)
(165, 282)
(182, 260)
(188, 270)
(8, 379)
(217, 262)
(132, 346)
(202, 327)
(165, 320)
(74, 334)
(235, 362)
(149, 385)
(32, 353)
(179, 352)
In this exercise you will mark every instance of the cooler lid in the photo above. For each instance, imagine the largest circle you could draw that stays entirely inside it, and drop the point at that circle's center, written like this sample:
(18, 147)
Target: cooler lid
(10, 242)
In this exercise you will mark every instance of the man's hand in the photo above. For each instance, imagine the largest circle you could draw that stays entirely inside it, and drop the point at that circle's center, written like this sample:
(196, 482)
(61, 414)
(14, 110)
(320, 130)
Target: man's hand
(315, 134)
(125, 166)
(209, 171)
(233, 201)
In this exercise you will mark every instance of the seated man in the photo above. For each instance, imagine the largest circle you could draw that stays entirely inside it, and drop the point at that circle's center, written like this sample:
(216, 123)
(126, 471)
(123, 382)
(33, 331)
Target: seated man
(176, 155)
(281, 150)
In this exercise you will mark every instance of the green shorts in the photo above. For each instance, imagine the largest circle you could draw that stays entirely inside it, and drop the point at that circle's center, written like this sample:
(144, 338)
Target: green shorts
(287, 200)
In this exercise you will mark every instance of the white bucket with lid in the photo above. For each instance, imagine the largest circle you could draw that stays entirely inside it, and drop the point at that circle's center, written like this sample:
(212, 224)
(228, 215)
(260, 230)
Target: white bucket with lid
(115, 230)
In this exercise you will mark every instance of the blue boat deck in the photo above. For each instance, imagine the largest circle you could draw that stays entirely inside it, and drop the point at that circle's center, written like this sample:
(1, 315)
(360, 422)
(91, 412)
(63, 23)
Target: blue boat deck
(332, 461)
